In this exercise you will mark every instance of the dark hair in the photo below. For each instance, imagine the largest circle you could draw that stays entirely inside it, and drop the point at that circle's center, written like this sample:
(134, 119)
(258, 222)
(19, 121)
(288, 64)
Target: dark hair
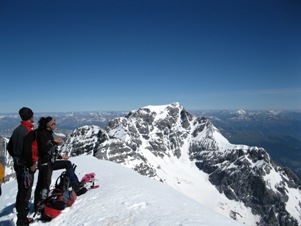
(25, 113)
(43, 122)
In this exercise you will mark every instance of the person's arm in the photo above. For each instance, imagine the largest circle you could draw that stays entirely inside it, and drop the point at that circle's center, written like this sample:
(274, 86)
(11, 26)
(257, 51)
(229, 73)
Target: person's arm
(46, 146)
(42, 146)
(58, 141)
(10, 147)
(15, 144)
(27, 152)
(20, 140)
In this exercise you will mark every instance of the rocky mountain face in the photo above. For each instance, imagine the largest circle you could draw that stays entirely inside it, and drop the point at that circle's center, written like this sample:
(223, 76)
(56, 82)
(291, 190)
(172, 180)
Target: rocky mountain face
(169, 144)
(278, 132)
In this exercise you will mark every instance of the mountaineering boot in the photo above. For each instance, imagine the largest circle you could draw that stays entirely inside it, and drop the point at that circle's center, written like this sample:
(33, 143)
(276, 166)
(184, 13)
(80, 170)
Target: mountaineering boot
(44, 194)
(24, 222)
(80, 189)
(40, 205)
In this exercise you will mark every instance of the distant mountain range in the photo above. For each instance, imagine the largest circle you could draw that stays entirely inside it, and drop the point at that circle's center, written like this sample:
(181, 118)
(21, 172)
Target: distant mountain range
(278, 132)
(66, 121)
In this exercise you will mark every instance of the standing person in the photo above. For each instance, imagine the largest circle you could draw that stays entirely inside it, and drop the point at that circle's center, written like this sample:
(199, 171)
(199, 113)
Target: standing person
(22, 147)
(50, 160)
(1, 177)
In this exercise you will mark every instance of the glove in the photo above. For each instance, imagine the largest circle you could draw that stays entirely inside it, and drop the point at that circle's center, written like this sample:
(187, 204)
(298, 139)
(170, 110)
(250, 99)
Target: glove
(33, 168)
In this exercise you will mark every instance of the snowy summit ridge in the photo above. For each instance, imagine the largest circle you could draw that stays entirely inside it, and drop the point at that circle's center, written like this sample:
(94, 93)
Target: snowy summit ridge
(124, 198)
(190, 154)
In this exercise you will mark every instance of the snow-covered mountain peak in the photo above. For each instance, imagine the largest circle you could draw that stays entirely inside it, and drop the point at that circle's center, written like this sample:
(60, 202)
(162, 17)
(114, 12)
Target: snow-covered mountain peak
(162, 108)
(190, 154)
(241, 112)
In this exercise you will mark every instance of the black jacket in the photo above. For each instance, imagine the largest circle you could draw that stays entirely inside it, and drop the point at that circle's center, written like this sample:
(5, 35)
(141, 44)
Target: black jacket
(22, 146)
(47, 147)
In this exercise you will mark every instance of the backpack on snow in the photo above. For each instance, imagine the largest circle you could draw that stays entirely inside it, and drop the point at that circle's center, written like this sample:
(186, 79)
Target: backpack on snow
(56, 202)
(61, 196)
(63, 181)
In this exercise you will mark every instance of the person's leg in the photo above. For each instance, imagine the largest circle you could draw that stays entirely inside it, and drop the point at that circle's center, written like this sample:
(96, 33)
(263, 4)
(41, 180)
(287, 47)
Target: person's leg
(75, 183)
(66, 164)
(43, 184)
(23, 195)
(37, 192)
(28, 191)
(39, 187)
(21, 207)
(48, 176)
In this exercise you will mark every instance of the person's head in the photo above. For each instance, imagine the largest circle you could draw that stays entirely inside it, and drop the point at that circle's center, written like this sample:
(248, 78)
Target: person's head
(26, 114)
(47, 123)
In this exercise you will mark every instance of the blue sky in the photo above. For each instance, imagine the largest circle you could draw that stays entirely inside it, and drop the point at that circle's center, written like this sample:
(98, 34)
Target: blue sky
(121, 55)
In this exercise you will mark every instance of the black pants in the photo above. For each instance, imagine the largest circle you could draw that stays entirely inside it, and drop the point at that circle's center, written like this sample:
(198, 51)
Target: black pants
(45, 174)
(24, 193)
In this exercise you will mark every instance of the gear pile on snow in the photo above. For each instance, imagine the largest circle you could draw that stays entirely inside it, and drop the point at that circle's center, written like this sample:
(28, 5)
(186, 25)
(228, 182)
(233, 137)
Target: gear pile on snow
(62, 196)
(56, 202)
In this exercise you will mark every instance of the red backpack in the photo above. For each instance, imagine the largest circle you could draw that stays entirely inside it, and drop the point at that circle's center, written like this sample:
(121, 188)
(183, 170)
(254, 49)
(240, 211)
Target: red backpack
(61, 196)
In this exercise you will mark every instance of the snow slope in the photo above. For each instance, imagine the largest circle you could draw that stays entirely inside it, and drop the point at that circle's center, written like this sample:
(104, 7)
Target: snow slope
(124, 198)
